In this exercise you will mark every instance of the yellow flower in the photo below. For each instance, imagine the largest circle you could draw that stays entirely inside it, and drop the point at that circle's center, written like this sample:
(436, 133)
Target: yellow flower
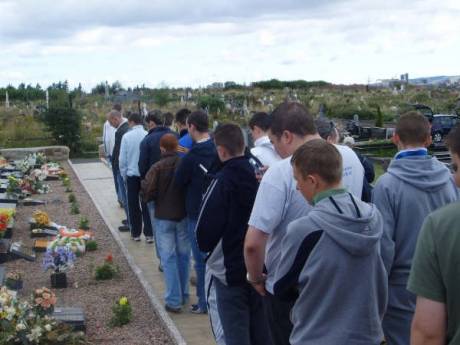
(123, 301)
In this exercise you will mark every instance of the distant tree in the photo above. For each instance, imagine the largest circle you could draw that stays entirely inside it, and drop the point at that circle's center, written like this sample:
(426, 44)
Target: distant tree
(379, 118)
(211, 102)
(161, 97)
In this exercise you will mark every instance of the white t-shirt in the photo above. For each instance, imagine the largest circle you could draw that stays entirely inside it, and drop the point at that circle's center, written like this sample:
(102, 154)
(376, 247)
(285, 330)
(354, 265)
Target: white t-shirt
(353, 171)
(108, 138)
(277, 203)
(265, 152)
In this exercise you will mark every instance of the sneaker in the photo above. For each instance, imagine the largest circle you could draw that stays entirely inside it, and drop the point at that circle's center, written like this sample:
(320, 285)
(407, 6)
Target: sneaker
(124, 222)
(123, 228)
(171, 309)
(195, 309)
(137, 239)
(149, 239)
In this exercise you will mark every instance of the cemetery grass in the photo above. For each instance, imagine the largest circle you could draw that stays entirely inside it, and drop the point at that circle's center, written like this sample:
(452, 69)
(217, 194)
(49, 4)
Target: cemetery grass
(95, 297)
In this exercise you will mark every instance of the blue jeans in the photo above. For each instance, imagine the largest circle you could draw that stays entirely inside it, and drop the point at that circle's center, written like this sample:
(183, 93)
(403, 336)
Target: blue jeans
(200, 267)
(174, 248)
(122, 195)
(151, 207)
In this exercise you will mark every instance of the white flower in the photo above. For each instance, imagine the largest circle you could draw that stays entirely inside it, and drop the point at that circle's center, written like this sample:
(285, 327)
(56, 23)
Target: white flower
(20, 327)
(48, 327)
(10, 313)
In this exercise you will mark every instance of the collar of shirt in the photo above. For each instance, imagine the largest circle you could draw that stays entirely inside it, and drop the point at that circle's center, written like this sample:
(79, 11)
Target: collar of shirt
(123, 120)
(203, 140)
(417, 151)
(327, 193)
(262, 140)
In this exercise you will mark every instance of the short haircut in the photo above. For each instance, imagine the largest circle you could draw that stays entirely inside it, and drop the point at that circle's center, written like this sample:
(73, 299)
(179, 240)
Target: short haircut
(453, 140)
(168, 119)
(413, 128)
(169, 142)
(117, 106)
(154, 116)
(200, 120)
(319, 157)
(292, 117)
(114, 113)
(135, 117)
(325, 128)
(231, 137)
(261, 120)
(181, 116)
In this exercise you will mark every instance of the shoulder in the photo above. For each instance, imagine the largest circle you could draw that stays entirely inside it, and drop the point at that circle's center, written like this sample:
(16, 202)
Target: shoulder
(279, 173)
(445, 217)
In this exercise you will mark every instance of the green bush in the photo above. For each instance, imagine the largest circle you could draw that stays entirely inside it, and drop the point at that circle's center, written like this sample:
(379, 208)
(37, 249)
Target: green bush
(84, 223)
(122, 313)
(75, 208)
(91, 246)
(72, 198)
(106, 271)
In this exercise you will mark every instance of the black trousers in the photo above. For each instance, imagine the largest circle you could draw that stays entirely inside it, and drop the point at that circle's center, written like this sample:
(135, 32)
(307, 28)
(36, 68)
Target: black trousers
(138, 211)
(241, 314)
(279, 318)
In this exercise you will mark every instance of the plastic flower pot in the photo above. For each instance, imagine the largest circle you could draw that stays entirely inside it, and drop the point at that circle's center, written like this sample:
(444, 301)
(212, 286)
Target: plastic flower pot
(59, 280)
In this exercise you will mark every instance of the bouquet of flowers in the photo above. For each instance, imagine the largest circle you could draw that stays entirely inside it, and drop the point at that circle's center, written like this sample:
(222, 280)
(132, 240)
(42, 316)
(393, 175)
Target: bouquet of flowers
(59, 258)
(6, 215)
(44, 301)
(14, 185)
(41, 218)
(34, 182)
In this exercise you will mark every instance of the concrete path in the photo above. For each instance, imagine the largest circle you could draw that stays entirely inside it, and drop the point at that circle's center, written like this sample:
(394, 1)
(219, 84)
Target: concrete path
(97, 179)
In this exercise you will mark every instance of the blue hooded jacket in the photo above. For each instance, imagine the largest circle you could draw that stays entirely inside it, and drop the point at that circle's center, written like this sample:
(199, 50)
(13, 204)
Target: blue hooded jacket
(150, 149)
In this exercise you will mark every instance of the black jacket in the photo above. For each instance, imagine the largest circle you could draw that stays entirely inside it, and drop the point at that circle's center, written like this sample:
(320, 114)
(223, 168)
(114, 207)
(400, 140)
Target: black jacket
(150, 149)
(223, 220)
(116, 149)
(191, 177)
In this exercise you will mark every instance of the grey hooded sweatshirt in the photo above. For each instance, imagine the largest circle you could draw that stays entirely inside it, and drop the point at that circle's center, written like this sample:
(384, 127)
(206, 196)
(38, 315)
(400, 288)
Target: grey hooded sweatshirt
(332, 266)
(412, 188)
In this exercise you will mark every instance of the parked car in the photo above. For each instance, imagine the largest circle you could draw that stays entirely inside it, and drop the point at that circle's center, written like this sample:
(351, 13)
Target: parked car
(441, 124)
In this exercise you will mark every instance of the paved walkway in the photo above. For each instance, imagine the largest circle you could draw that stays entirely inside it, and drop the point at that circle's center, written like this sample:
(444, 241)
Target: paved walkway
(97, 179)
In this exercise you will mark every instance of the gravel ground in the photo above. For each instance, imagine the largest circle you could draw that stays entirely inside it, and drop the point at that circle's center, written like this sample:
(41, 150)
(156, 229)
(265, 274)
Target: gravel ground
(95, 297)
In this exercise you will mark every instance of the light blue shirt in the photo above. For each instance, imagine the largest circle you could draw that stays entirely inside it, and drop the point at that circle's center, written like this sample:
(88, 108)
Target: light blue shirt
(129, 151)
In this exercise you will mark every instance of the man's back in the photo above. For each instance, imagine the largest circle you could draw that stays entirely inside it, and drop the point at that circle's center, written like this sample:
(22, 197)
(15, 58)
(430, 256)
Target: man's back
(435, 270)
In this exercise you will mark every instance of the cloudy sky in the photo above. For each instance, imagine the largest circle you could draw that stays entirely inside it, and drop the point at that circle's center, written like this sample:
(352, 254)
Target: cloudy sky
(191, 43)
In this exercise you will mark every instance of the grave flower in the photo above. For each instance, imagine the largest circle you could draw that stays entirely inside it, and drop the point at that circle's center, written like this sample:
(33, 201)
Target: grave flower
(41, 218)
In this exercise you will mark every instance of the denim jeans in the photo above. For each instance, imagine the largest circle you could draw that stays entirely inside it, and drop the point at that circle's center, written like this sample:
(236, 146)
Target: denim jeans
(242, 315)
(122, 195)
(138, 213)
(174, 248)
(200, 267)
(151, 207)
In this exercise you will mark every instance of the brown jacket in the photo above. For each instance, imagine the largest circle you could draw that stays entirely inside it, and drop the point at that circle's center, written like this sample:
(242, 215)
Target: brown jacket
(159, 186)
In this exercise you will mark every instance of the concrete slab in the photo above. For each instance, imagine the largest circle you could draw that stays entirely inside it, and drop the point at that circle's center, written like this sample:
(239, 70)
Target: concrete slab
(97, 179)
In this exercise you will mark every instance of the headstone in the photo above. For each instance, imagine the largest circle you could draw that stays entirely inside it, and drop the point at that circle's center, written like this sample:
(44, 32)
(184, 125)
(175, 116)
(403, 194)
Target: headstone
(43, 233)
(47, 96)
(2, 275)
(7, 100)
(4, 249)
(18, 250)
(74, 317)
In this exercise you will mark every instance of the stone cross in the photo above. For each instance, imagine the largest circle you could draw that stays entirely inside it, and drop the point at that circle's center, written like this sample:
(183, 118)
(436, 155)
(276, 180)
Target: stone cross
(7, 100)
(47, 97)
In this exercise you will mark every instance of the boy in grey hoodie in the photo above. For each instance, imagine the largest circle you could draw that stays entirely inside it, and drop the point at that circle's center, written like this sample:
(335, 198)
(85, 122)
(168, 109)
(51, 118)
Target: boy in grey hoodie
(414, 185)
(330, 259)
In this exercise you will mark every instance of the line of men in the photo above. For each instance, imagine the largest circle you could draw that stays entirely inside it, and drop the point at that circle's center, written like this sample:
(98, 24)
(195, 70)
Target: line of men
(292, 254)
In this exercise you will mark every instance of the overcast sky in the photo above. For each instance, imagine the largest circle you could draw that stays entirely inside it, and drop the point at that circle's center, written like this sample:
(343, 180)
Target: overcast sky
(191, 43)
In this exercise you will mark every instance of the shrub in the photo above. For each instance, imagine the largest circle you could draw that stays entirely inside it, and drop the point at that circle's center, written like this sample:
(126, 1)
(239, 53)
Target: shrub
(107, 270)
(84, 223)
(91, 246)
(75, 209)
(122, 312)
(72, 198)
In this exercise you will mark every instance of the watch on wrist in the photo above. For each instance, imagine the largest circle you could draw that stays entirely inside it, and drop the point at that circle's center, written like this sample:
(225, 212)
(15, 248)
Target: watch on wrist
(257, 281)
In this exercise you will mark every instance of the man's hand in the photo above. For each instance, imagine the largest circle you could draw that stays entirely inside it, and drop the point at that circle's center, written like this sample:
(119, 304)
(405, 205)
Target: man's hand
(254, 256)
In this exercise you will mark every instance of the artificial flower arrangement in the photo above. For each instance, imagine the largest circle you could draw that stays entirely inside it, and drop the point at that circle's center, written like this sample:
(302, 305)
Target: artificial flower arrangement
(6, 215)
(30, 322)
(14, 186)
(34, 182)
(14, 280)
(3, 162)
(33, 160)
(59, 259)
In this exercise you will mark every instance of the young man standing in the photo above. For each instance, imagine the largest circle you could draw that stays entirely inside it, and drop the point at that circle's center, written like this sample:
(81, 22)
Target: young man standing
(263, 149)
(414, 185)
(278, 203)
(129, 170)
(325, 254)
(434, 276)
(185, 140)
(121, 124)
(190, 175)
(221, 228)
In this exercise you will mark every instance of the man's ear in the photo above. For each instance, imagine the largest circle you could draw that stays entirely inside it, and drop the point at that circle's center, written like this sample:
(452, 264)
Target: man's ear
(287, 137)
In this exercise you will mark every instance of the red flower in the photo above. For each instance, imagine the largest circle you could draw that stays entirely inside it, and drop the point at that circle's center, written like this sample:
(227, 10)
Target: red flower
(109, 258)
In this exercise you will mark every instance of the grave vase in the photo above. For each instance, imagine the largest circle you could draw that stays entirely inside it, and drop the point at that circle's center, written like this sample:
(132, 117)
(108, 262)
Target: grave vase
(59, 280)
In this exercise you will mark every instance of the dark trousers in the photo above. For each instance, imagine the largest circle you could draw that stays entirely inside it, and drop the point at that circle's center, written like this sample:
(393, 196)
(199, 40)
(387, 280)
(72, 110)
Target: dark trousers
(138, 212)
(114, 172)
(279, 319)
(242, 315)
